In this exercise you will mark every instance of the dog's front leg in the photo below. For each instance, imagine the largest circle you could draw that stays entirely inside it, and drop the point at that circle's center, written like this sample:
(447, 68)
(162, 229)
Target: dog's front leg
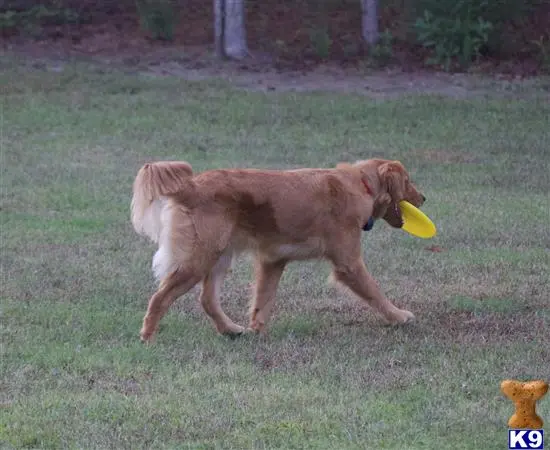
(356, 277)
(267, 279)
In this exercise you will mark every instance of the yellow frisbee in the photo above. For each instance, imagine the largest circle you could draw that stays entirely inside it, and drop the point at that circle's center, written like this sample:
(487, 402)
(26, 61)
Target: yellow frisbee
(416, 222)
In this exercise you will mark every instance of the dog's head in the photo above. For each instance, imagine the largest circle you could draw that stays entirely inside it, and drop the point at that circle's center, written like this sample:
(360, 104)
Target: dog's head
(391, 184)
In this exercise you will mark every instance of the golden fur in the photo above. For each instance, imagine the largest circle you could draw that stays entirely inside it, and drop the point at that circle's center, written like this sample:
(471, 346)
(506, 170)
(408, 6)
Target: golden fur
(201, 220)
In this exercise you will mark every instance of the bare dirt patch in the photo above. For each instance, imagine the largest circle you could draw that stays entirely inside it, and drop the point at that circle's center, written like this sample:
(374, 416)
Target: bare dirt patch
(281, 57)
(258, 73)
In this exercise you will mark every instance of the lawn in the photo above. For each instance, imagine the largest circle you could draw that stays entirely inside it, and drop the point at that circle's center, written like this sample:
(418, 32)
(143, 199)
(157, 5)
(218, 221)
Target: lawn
(76, 278)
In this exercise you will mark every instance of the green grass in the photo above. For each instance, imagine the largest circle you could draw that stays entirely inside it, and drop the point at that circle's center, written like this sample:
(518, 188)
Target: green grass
(76, 278)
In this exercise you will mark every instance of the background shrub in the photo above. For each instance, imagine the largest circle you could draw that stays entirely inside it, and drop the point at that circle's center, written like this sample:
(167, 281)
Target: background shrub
(158, 17)
(456, 35)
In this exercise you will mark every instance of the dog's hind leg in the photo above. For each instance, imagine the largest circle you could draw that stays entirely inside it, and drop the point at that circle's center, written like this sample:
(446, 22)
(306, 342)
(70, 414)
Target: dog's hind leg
(268, 275)
(210, 297)
(176, 284)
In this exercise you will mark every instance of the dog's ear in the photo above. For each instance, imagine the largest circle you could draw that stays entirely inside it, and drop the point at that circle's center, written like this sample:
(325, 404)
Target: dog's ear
(392, 183)
(393, 216)
(385, 208)
(391, 175)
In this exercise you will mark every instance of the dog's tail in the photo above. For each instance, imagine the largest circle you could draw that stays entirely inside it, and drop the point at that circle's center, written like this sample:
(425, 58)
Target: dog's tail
(154, 182)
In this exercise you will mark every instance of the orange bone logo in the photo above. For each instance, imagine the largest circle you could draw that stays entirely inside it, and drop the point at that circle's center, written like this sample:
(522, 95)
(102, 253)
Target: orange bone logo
(524, 396)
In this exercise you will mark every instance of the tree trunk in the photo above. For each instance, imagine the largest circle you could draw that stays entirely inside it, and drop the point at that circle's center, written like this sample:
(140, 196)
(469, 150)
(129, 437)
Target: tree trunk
(229, 29)
(370, 21)
(235, 31)
(219, 28)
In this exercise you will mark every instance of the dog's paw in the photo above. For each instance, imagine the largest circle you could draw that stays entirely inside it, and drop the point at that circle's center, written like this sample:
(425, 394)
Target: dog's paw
(232, 331)
(148, 329)
(146, 337)
(257, 325)
(400, 317)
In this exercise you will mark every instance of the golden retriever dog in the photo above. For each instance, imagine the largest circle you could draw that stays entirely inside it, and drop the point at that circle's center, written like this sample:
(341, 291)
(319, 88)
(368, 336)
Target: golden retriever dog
(199, 222)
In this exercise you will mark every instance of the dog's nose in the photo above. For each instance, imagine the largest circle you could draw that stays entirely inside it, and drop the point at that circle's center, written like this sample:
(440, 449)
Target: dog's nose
(423, 198)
